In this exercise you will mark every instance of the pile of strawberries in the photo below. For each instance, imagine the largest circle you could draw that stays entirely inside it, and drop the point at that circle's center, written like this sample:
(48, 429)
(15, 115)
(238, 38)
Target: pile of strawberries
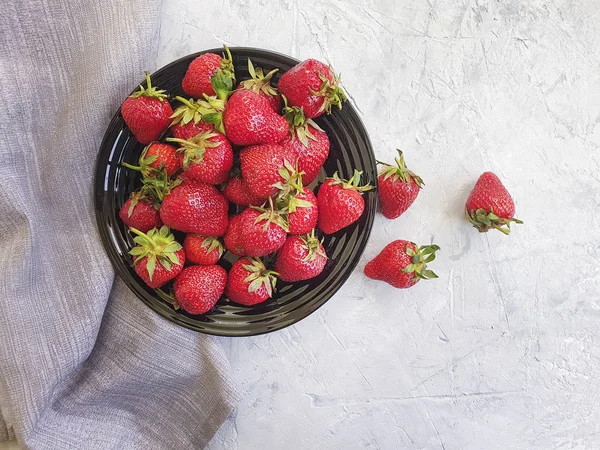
(256, 146)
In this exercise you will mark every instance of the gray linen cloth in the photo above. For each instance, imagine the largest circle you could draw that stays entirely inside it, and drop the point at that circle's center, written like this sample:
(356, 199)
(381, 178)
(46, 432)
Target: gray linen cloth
(83, 363)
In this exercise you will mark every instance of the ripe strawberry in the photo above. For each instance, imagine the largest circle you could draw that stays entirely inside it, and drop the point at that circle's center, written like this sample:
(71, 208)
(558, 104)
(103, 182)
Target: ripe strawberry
(196, 208)
(146, 112)
(207, 157)
(261, 84)
(300, 258)
(187, 118)
(249, 119)
(402, 264)
(233, 236)
(308, 141)
(398, 188)
(311, 85)
(158, 256)
(198, 79)
(249, 282)
(140, 213)
(263, 231)
(267, 168)
(198, 288)
(340, 202)
(155, 156)
(302, 210)
(202, 250)
(490, 205)
(237, 192)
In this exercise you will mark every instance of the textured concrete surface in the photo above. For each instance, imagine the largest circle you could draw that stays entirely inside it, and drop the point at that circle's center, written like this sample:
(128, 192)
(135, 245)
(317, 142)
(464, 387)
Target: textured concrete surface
(502, 351)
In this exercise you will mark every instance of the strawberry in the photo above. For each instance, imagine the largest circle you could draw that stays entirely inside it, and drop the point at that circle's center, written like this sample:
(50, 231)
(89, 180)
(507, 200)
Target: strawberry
(202, 250)
(340, 202)
(194, 207)
(302, 211)
(237, 192)
(207, 157)
(263, 231)
(397, 188)
(199, 77)
(261, 84)
(140, 213)
(156, 155)
(312, 86)
(267, 168)
(158, 256)
(300, 258)
(146, 112)
(308, 141)
(402, 264)
(233, 236)
(490, 205)
(187, 118)
(249, 282)
(198, 288)
(249, 120)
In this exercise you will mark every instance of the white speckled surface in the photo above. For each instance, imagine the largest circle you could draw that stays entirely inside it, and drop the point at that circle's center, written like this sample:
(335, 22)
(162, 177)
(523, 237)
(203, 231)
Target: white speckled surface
(502, 352)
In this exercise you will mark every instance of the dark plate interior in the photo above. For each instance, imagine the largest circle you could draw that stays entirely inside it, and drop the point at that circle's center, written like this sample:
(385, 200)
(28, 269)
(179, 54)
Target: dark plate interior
(350, 149)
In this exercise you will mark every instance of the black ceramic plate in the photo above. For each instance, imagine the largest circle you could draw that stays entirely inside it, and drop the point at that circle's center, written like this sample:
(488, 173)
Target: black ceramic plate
(350, 149)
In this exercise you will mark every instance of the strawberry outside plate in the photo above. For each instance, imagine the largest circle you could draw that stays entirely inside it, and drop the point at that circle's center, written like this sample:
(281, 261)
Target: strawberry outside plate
(350, 149)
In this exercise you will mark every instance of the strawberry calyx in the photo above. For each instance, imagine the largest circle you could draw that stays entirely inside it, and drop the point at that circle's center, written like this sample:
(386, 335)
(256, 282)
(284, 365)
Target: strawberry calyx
(420, 258)
(158, 245)
(292, 179)
(212, 243)
(194, 149)
(260, 276)
(159, 186)
(313, 245)
(352, 183)
(332, 93)
(137, 197)
(259, 81)
(484, 220)
(190, 109)
(299, 123)
(287, 200)
(400, 171)
(213, 112)
(149, 91)
(144, 163)
(224, 77)
(271, 215)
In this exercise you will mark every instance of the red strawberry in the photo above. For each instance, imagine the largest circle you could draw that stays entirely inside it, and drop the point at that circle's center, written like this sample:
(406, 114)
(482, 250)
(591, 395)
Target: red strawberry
(237, 192)
(249, 119)
(308, 141)
(208, 157)
(490, 205)
(311, 85)
(233, 236)
(195, 208)
(146, 112)
(340, 202)
(302, 211)
(300, 258)
(402, 264)
(249, 282)
(398, 188)
(158, 256)
(261, 84)
(198, 79)
(187, 118)
(262, 231)
(267, 168)
(202, 250)
(140, 213)
(155, 156)
(198, 288)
